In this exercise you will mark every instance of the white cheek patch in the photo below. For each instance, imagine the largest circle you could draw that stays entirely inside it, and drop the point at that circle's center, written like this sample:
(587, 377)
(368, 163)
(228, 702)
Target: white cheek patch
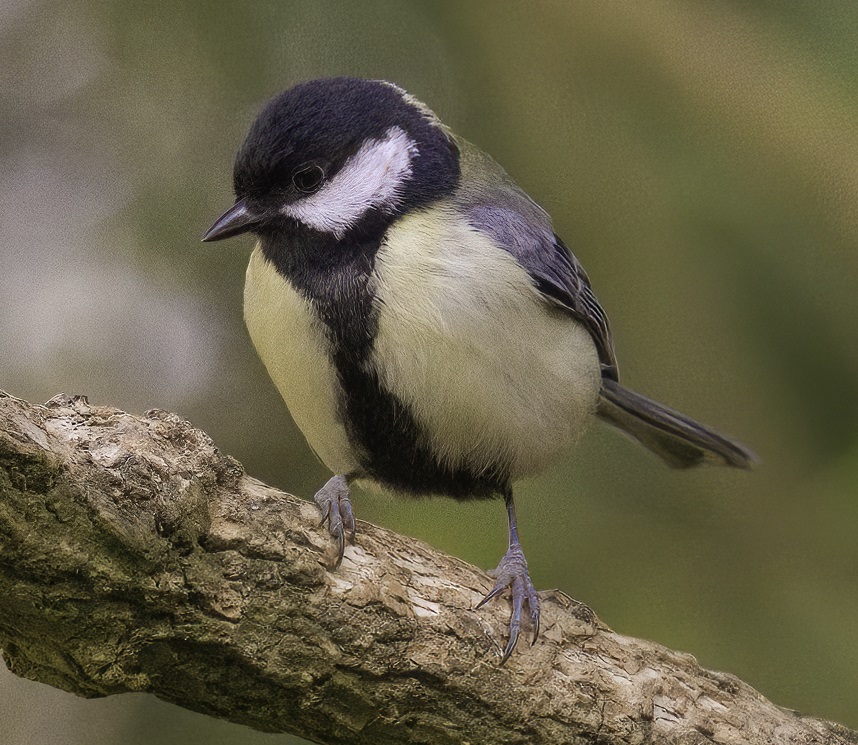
(371, 179)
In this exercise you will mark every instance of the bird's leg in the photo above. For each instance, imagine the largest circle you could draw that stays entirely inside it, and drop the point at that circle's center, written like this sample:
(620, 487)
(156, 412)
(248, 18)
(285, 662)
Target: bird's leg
(512, 572)
(336, 506)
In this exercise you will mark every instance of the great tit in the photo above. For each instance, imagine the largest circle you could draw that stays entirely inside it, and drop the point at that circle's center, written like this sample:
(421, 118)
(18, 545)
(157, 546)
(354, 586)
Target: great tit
(428, 330)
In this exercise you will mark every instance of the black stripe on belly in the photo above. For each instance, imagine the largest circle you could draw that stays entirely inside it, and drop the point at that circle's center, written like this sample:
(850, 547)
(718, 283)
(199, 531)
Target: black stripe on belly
(335, 275)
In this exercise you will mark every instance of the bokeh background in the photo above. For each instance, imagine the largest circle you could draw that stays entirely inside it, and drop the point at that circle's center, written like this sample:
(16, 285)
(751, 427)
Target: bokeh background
(701, 160)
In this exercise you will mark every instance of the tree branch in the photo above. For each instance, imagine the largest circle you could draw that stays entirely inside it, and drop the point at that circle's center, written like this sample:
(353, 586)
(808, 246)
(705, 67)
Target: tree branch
(135, 556)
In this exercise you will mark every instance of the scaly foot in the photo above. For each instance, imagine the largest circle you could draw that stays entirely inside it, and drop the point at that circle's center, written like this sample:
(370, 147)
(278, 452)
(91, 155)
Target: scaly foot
(512, 572)
(336, 506)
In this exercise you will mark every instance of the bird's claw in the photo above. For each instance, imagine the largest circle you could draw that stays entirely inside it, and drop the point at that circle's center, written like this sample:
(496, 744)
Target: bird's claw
(336, 505)
(512, 573)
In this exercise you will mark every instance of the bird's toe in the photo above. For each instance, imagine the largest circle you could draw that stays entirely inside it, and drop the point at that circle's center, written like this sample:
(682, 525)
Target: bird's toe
(512, 573)
(336, 507)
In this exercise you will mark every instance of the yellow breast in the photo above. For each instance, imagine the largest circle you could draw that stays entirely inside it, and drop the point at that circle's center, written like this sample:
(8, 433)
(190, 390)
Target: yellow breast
(493, 374)
(292, 344)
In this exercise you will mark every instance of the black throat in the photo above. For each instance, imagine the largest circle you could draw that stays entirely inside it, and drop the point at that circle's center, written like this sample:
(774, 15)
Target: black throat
(336, 276)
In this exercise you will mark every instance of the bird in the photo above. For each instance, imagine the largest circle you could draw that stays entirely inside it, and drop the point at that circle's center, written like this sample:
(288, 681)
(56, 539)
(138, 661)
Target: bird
(427, 329)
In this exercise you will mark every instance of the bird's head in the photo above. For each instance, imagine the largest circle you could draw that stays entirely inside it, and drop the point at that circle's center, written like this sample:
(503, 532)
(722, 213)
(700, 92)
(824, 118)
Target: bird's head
(337, 155)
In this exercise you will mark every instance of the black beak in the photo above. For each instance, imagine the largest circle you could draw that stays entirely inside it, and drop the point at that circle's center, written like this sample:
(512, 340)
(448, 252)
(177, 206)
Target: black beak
(235, 221)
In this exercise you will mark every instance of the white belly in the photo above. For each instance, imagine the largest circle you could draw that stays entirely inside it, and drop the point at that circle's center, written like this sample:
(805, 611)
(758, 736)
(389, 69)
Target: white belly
(492, 373)
(292, 345)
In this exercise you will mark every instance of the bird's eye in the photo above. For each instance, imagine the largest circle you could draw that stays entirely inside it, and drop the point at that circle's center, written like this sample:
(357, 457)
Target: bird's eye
(308, 178)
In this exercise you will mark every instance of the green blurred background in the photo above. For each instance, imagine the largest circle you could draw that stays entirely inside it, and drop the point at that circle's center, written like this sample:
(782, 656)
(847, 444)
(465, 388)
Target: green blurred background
(700, 159)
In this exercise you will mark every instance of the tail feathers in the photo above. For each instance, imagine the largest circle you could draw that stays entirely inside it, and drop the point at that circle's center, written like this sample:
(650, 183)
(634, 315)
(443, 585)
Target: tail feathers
(679, 441)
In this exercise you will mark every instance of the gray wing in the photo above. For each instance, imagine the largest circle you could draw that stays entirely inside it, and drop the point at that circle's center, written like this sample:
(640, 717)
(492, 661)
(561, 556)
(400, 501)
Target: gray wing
(553, 269)
(679, 440)
(495, 205)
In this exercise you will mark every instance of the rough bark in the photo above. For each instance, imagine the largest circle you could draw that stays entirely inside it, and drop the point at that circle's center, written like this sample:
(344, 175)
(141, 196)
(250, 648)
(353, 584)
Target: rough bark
(135, 556)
